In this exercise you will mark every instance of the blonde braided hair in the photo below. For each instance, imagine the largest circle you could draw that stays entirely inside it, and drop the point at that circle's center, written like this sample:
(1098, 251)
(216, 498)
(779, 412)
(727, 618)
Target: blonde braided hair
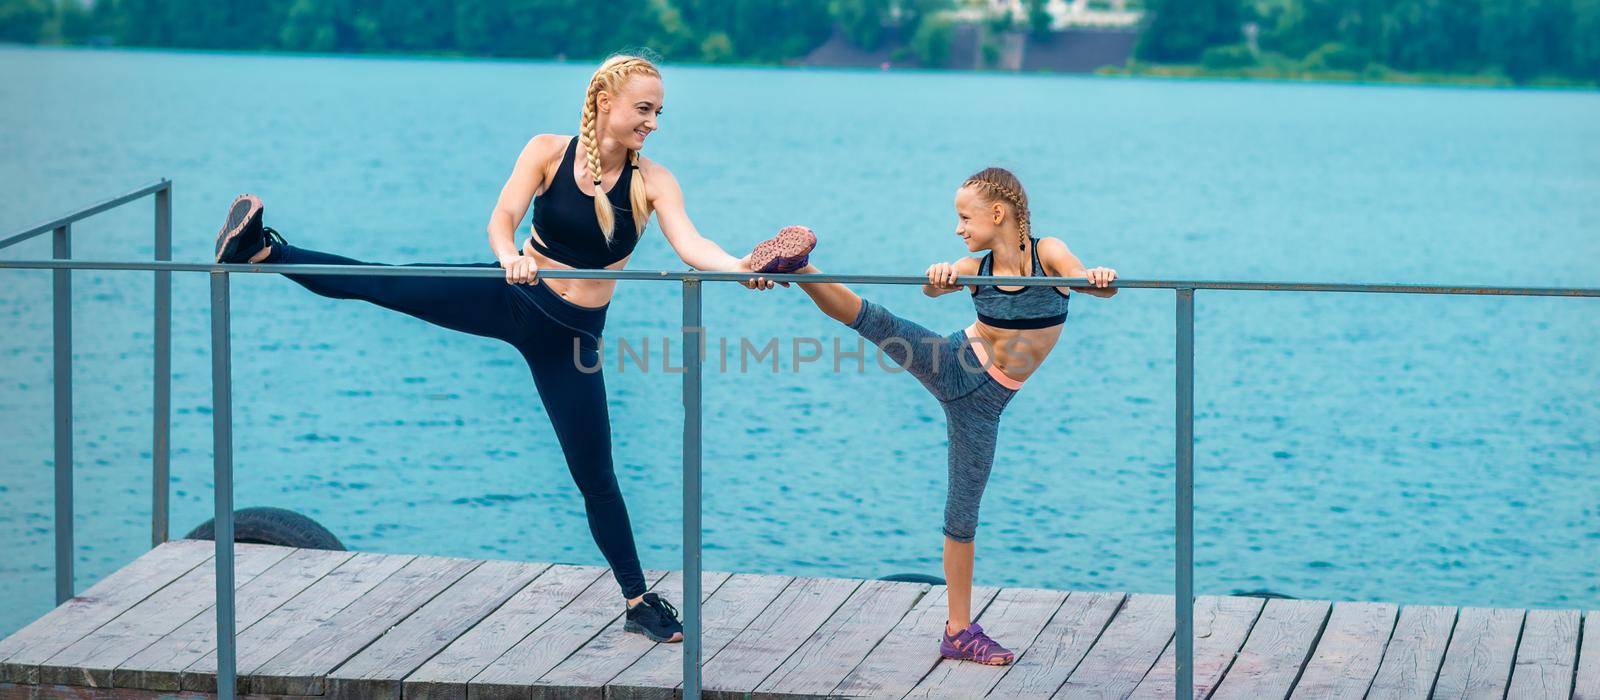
(999, 185)
(610, 77)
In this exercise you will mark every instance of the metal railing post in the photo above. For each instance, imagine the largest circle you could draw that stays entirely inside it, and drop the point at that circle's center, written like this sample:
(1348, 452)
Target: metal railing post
(161, 421)
(1185, 495)
(222, 465)
(61, 303)
(693, 335)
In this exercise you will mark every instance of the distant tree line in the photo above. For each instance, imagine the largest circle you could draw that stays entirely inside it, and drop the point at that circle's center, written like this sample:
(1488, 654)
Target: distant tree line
(758, 31)
(1520, 39)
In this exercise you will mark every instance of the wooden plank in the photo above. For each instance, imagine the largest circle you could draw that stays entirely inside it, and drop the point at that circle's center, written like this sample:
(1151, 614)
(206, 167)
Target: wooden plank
(1126, 651)
(1016, 617)
(160, 666)
(447, 673)
(1546, 656)
(1063, 642)
(1277, 648)
(910, 650)
(727, 612)
(774, 635)
(1478, 661)
(377, 671)
(1221, 624)
(12, 691)
(30, 646)
(1348, 653)
(1587, 684)
(844, 640)
(1411, 661)
(586, 672)
(513, 674)
(90, 660)
(286, 625)
(299, 670)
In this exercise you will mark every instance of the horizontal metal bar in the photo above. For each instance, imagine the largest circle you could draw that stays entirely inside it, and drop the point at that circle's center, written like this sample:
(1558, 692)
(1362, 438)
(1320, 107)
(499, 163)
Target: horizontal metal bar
(86, 212)
(682, 275)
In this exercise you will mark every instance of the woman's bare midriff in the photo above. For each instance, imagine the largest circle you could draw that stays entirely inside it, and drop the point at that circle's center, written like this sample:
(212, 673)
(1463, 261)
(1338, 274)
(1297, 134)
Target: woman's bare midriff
(1015, 352)
(591, 293)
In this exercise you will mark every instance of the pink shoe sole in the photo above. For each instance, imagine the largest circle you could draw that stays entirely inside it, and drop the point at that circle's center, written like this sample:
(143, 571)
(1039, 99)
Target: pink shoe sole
(244, 208)
(788, 251)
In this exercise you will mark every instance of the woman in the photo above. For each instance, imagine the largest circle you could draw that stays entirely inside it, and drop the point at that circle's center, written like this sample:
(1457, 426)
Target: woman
(556, 323)
(975, 372)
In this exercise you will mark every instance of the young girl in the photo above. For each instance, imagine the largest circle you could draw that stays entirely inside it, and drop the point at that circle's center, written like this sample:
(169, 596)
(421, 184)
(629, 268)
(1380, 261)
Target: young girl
(975, 372)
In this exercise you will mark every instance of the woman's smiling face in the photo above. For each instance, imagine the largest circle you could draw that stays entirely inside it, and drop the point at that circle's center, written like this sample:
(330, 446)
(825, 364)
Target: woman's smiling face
(632, 112)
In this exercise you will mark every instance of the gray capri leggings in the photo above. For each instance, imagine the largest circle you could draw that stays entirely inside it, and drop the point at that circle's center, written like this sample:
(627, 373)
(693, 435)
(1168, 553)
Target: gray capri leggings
(972, 402)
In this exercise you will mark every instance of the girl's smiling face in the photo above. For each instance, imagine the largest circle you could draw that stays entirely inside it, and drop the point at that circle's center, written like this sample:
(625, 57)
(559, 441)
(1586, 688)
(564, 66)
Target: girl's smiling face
(978, 222)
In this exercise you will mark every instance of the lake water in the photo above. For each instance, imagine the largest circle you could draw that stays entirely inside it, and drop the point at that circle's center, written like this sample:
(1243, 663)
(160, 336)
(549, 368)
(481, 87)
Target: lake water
(1350, 447)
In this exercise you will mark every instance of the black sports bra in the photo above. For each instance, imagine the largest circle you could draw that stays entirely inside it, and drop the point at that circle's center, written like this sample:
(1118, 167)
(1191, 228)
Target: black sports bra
(569, 232)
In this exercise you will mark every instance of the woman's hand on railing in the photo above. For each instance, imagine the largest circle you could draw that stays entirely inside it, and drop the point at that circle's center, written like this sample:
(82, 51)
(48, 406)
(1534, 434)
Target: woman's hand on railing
(520, 269)
(756, 283)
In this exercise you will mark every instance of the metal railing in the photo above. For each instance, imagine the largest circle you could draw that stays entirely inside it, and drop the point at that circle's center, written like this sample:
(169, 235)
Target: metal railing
(61, 303)
(693, 334)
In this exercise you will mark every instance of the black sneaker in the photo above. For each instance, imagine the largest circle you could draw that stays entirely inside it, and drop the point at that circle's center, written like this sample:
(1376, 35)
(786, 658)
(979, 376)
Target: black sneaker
(243, 235)
(656, 619)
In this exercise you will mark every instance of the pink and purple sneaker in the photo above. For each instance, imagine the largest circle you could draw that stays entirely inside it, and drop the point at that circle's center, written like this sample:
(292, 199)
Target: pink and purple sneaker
(786, 252)
(971, 644)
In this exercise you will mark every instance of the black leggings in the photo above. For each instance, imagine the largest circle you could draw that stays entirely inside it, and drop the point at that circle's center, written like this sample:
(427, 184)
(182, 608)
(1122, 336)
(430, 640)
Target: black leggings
(553, 335)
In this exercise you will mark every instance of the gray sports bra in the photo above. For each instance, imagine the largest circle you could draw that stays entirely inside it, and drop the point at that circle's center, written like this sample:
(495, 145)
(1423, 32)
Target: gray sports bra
(1026, 308)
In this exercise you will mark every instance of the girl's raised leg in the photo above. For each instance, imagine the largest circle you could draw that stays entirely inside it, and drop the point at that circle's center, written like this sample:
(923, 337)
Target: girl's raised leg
(835, 300)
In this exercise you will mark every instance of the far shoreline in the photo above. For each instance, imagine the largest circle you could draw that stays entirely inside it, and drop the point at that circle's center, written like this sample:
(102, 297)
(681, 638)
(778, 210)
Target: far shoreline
(1135, 70)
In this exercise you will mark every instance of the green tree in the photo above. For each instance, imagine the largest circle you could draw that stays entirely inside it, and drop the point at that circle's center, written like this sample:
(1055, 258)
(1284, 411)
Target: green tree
(1038, 19)
(910, 13)
(861, 20)
(310, 26)
(418, 26)
(1336, 56)
(1180, 30)
(931, 41)
(1228, 57)
(763, 30)
(75, 22)
(482, 27)
(23, 20)
(1585, 52)
(716, 48)
(674, 37)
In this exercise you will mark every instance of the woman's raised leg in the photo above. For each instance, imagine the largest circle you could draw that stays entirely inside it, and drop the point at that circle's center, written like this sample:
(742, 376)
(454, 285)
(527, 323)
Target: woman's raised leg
(478, 305)
(483, 306)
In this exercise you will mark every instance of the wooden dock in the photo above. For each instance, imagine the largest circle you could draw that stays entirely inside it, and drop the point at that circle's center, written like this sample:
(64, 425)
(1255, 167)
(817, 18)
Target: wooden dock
(359, 625)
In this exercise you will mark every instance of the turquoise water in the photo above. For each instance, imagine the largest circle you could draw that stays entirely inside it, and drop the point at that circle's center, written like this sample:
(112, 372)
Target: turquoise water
(1367, 447)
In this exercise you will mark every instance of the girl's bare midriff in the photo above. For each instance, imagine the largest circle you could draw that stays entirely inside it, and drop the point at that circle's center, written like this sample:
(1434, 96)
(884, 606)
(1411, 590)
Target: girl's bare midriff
(1015, 352)
(591, 293)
